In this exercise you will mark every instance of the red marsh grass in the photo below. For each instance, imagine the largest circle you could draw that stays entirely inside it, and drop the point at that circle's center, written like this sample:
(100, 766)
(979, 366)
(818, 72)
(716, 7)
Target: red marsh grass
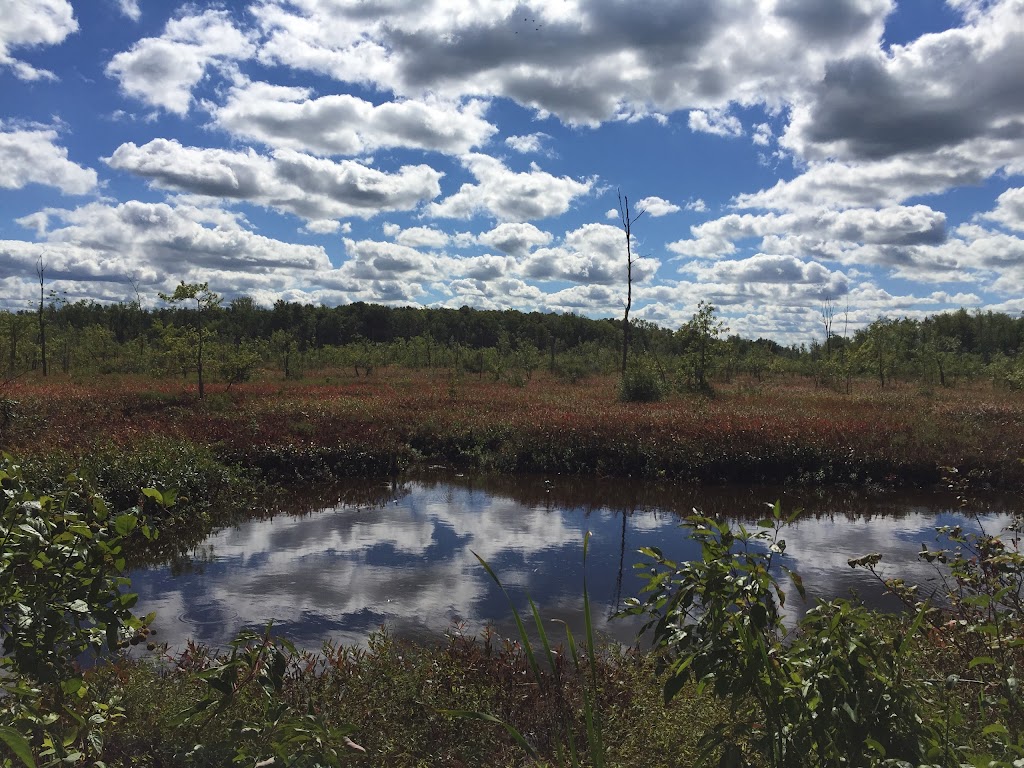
(786, 430)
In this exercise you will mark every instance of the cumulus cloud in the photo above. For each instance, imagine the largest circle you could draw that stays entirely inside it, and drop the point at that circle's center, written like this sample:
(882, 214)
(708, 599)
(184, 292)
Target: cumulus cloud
(655, 206)
(342, 124)
(999, 256)
(160, 244)
(818, 232)
(593, 254)
(309, 187)
(762, 134)
(510, 196)
(716, 122)
(786, 274)
(531, 143)
(30, 23)
(31, 156)
(130, 8)
(1009, 209)
(162, 71)
(376, 260)
(941, 90)
(583, 297)
(515, 239)
(586, 62)
(502, 293)
(422, 237)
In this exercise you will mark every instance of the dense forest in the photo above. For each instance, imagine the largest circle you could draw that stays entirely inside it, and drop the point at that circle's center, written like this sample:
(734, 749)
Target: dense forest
(237, 339)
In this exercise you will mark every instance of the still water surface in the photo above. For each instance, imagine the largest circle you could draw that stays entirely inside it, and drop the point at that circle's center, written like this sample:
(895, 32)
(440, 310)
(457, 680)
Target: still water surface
(352, 558)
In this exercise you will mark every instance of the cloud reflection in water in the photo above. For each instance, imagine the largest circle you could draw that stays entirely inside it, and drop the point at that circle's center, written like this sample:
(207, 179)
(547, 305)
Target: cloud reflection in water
(341, 572)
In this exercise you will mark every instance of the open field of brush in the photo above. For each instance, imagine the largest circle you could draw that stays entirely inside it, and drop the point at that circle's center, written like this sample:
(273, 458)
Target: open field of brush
(780, 431)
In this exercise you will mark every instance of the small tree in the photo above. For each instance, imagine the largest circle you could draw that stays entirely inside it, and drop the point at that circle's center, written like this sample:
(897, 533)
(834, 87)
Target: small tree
(206, 300)
(702, 331)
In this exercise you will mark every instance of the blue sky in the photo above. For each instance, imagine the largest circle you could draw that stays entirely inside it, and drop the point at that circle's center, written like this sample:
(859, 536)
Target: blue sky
(784, 152)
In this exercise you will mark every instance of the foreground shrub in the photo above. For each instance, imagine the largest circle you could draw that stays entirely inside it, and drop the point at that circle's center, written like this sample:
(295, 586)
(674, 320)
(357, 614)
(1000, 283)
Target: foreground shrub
(641, 384)
(835, 692)
(61, 595)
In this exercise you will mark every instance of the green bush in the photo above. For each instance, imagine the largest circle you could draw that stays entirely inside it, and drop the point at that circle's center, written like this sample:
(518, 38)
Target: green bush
(641, 385)
(833, 693)
(61, 595)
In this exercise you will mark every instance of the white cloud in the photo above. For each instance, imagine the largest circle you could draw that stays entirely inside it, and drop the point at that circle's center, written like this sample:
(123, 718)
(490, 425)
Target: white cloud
(322, 226)
(515, 239)
(130, 8)
(586, 62)
(939, 91)
(29, 23)
(762, 134)
(92, 248)
(887, 182)
(309, 187)
(531, 143)
(587, 298)
(818, 232)
(1009, 209)
(290, 117)
(594, 254)
(375, 260)
(716, 122)
(162, 71)
(422, 237)
(697, 205)
(655, 206)
(785, 274)
(32, 157)
(510, 196)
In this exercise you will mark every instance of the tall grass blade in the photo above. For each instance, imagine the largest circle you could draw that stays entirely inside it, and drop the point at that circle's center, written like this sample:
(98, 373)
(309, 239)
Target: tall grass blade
(539, 622)
(524, 638)
(519, 738)
(593, 714)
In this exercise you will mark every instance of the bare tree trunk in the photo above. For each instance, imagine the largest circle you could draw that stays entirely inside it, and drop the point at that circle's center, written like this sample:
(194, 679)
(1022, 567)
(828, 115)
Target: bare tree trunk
(627, 225)
(828, 311)
(199, 325)
(41, 272)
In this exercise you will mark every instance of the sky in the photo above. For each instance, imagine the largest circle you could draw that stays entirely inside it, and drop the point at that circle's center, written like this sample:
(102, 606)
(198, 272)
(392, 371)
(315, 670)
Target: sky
(776, 155)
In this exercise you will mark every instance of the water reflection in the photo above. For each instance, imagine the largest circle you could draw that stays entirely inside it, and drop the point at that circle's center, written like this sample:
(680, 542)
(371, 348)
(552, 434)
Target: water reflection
(338, 566)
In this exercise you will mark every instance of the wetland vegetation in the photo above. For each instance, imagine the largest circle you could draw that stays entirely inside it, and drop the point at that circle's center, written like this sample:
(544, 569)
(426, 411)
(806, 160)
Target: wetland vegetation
(122, 458)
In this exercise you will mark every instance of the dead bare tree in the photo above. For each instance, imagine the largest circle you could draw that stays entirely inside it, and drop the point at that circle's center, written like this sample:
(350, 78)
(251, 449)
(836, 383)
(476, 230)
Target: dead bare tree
(628, 220)
(828, 311)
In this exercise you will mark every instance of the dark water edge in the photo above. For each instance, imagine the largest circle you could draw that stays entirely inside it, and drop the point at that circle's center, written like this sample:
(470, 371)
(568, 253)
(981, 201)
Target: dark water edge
(338, 562)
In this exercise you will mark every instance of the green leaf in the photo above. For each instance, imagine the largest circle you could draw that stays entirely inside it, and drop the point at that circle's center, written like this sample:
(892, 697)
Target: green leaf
(154, 494)
(977, 661)
(999, 728)
(125, 524)
(797, 580)
(18, 744)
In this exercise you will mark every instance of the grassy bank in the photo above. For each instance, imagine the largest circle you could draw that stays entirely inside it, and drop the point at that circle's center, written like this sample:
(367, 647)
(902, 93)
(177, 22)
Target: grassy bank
(340, 425)
(392, 697)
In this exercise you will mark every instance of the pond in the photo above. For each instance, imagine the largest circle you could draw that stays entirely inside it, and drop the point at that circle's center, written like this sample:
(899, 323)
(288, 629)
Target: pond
(351, 558)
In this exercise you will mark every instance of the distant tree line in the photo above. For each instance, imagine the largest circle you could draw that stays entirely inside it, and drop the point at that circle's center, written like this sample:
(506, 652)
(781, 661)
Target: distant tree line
(236, 339)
